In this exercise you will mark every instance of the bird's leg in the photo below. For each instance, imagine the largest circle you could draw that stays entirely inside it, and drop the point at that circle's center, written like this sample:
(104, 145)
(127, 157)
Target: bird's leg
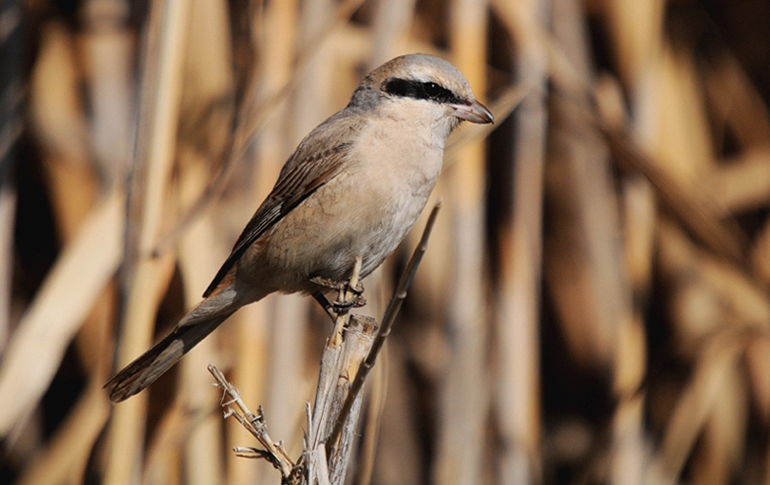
(325, 303)
(341, 287)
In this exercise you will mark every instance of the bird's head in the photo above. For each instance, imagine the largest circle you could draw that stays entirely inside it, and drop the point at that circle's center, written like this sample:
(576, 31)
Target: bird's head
(423, 82)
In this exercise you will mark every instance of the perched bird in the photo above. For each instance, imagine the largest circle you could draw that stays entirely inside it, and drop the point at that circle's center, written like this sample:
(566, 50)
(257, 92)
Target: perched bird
(354, 187)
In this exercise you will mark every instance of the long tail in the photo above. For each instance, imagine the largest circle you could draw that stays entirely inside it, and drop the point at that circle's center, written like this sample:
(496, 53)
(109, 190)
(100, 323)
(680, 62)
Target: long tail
(143, 371)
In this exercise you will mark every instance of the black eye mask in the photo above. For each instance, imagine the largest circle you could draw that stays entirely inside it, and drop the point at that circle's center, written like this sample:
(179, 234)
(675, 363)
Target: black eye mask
(421, 90)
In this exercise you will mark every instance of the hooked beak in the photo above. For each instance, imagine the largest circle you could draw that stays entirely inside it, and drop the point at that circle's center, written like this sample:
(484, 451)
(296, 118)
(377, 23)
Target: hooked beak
(474, 112)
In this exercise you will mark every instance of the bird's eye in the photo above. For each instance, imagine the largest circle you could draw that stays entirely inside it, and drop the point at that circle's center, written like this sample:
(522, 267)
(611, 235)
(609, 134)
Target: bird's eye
(433, 90)
(438, 93)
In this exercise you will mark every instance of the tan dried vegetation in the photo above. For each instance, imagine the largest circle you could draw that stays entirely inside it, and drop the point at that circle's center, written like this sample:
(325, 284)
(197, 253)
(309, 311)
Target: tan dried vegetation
(594, 306)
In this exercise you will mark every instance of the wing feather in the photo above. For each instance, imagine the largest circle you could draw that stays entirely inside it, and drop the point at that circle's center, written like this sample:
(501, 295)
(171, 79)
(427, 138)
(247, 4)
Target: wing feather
(307, 169)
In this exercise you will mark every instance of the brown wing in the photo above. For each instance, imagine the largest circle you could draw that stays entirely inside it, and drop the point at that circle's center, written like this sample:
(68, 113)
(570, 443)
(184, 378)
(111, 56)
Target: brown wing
(316, 161)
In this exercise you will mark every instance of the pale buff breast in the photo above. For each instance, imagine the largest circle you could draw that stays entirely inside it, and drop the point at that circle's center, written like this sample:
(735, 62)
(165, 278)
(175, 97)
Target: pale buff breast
(366, 210)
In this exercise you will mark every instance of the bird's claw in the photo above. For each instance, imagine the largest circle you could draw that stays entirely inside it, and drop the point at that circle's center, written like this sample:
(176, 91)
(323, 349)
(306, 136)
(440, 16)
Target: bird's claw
(343, 306)
(357, 290)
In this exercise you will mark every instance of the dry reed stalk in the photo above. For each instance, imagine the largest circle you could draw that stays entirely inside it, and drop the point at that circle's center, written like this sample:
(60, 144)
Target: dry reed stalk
(67, 452)
(610, 333)
(164, 463)
(108, 51)
(288, 386)
(691, 205)
(66, 455)
(636, 29)
(325, 453)
(680, 138)
(619, 285)
(590, 292)
(9, 134)
(722, 447)
(465, 391)
(736, 103)
(248, 341)
(281, 20)
(126, 439)
(398, 439)
(359, 334)
(391, 24)
(760, 255)
(206, 102)
(365, 459)
(60, 121)
(197, 248)
(60, 124)
(694, 144)
(696, 406)
(731, 296)
(35, 352)
(8, 198)
(147, 276)
(12, 98)
(716, 314)
(757, 361)
(518, 296)
(713, 404)
(316, 83)
(742, 184)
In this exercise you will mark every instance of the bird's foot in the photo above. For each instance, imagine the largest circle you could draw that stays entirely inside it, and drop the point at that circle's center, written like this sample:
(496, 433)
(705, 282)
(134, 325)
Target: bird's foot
(341, 306)
(338, 307)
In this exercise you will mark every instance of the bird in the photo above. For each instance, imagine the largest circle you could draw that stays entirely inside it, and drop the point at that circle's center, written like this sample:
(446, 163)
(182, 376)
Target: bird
(354, 187)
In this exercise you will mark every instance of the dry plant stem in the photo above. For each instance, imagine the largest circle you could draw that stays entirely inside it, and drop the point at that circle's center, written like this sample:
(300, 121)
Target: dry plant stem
(11, 127)
(146, 278)
(345, 296)
(387, 324)
(359, 335)
(329, 363)
(33, 355)
(695, 210)
(255, 424)
(342, 358)
(516, 387)
(329, 368)
(8, 198)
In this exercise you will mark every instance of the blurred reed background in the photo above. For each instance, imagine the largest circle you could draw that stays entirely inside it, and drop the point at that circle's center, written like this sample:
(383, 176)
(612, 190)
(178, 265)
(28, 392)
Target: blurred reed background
(594, 305)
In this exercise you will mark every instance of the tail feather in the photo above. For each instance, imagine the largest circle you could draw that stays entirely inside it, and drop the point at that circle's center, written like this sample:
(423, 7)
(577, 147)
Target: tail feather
(162, 356)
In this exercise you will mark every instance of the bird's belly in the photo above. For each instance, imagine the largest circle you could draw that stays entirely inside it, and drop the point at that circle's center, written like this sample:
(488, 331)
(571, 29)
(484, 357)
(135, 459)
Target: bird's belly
(342, 220)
